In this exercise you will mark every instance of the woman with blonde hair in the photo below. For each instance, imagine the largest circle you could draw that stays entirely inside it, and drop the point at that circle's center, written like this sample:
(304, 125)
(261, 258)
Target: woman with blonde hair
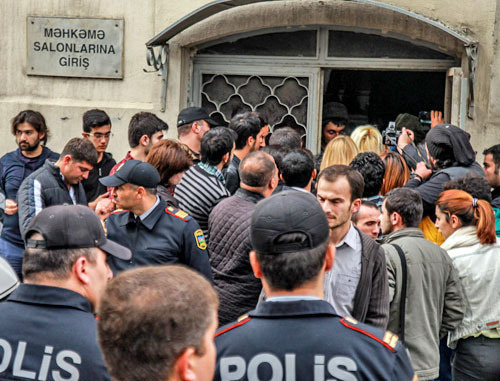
(340, 150)
(368, 139)
(468, 226)
(397, 173)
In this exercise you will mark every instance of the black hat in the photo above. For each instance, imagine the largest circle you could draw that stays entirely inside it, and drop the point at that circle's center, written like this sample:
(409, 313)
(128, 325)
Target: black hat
(411, 122)
(288, 212)
(133, 172)
(335, 110)
(446, 141)
(192, 114)
(72, 227)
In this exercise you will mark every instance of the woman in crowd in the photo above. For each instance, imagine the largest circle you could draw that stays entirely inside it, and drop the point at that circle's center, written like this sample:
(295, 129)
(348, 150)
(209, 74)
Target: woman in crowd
(171, 159)
(340, 150)
(468, 226)
(397, 173)
(368, 139)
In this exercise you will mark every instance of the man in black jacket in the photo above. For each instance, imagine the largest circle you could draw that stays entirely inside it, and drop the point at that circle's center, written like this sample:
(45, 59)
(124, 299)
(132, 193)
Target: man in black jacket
(97, 129)
(229, 227)
(57, 183)
(31, 134)
(251, 137)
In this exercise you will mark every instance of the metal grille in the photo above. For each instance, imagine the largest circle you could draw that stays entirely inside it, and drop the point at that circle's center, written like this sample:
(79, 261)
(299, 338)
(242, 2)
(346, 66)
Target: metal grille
(282, 101)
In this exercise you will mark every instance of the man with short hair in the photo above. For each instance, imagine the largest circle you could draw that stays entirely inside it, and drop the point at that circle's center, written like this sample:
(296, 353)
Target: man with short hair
(192, 124)
(57, 183)
(295, 335)
(250, 138)
(144, 130)
(97, 129)
(297, 171)
(372, 168)
(163, 329)
(425, 290)
(48, 329)
(155, 232)
(31, 134)
(285, 137)
(367, 219)
(491, 166)
(203, 186)
(357, 285)
(229, 230)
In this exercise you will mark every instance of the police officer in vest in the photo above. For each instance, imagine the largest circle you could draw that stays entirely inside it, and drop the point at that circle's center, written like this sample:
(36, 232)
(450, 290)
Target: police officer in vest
(155, 232)
(294, 334)
(47, 326)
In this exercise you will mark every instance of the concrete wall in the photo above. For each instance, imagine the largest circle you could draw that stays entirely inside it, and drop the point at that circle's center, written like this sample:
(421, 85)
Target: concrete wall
(63, 100)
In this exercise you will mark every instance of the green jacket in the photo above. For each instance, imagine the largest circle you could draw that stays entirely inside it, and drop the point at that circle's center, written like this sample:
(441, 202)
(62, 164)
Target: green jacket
(434, 299)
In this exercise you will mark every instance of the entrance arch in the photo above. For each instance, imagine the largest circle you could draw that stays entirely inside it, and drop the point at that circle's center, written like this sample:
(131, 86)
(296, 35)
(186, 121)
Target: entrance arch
(329, 19)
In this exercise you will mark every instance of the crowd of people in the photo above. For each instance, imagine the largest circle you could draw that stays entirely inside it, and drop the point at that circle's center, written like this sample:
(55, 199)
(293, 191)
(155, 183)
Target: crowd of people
(234, 253)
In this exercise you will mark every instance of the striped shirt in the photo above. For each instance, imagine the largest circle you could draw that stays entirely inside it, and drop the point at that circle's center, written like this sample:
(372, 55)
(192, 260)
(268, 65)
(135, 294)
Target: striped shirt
(198, 193)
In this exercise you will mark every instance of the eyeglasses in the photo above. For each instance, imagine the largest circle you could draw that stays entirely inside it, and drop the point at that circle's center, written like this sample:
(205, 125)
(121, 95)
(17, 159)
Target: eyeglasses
(99, 136)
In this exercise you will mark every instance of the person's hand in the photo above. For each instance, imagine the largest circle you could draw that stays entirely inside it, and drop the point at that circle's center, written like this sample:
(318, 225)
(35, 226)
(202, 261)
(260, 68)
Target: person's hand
(10, 207)
(104, 207)
(422, 170)
(436, 118)
(93, 204)
(405, 138)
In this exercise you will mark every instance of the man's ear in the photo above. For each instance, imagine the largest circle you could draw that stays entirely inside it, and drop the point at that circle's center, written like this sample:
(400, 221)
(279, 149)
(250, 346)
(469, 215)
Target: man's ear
(80, 270)
(144, 140)
(395, 219)
(314, 174)
(356, 204)
(226, 157)
(183, 367)
(281, 177)
(67, 159)
(141, 192)
(257, 272)
(330, 257)
(250, 141)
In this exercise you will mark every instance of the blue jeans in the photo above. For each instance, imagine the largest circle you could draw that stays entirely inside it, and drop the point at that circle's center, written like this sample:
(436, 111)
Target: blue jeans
(12, 254)
(477, 358)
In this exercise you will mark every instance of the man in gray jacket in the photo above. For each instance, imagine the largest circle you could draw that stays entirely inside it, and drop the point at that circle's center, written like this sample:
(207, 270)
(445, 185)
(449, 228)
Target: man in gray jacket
(434, 302)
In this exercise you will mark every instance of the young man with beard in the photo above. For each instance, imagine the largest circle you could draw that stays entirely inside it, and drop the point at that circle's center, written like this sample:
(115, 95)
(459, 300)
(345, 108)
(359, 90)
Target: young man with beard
(31, 134)
(203, 186)
(251, 137)
(357, 284)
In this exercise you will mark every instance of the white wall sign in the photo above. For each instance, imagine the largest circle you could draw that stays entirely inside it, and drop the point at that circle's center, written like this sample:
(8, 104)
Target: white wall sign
(74, 47)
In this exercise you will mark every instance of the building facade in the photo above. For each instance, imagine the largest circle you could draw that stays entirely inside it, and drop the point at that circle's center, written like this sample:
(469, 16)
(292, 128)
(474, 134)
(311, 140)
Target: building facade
(285, 59)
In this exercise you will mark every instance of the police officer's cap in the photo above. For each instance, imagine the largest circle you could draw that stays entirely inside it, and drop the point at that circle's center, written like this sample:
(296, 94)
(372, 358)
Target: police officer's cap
(133, 172)
(193, 114)
(288, 212)
(71, 227)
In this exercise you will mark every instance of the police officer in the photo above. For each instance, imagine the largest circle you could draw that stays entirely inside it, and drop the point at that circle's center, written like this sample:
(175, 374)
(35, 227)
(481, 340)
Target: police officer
(155, 232)
(294, 334)
(47, 328)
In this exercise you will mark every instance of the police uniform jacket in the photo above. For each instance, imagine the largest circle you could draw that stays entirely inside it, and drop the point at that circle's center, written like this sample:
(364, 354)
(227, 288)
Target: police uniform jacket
(49, 333)
(307, 340)
(166, 236)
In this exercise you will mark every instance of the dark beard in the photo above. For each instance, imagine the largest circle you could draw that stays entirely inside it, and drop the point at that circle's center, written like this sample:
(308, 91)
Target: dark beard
(30, 148)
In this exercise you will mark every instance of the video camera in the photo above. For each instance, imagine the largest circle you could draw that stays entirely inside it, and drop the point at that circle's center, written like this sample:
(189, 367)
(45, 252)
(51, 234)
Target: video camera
(390, 135)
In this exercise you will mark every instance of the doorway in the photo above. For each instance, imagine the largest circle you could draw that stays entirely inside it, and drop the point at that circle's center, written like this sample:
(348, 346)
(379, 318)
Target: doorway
(377, 97)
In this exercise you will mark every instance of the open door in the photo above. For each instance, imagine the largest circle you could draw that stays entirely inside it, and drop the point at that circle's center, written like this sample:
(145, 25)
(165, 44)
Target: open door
(455, 104)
